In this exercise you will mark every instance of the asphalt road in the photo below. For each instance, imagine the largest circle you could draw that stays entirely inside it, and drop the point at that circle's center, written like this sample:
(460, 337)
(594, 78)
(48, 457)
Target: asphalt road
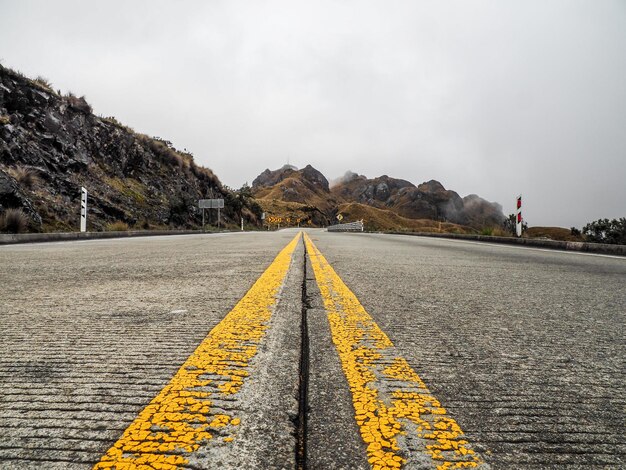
(524, 348)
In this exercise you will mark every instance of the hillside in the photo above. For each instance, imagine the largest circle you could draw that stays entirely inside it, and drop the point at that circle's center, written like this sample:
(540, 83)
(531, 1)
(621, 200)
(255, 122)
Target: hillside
(387, 203)
(52, 144)
(375, 219)
(296, 194)
(429, 200)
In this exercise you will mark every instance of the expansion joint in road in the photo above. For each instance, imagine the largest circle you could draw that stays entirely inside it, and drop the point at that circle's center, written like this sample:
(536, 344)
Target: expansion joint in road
(301, 420)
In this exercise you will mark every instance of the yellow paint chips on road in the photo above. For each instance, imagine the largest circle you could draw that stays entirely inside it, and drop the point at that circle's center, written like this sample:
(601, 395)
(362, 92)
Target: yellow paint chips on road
(396, 414)
(184, 414)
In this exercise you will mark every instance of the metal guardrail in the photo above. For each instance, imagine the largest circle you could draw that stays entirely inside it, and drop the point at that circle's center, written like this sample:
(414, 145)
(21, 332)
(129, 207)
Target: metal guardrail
(350, 227)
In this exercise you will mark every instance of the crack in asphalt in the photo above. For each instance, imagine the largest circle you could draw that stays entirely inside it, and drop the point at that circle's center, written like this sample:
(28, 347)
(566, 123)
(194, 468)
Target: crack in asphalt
(301, 420)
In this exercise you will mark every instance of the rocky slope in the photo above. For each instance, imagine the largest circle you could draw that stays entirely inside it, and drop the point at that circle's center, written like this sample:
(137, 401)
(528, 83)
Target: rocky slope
(51, 145)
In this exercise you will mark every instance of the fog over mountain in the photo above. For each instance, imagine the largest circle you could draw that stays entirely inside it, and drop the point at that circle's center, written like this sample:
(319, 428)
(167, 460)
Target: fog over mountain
(493, 97)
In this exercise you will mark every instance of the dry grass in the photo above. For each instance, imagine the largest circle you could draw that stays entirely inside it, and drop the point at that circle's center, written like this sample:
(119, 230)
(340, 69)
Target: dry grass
(78, 103)
(129, 187)
(553, 233)
(27, 177)
(117, 226)
(386, 220)
(13, 221)
(4, 120)
(43, 82)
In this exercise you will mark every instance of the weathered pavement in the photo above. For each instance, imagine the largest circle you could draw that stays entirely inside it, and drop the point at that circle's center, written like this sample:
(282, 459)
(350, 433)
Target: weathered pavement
(522, 350)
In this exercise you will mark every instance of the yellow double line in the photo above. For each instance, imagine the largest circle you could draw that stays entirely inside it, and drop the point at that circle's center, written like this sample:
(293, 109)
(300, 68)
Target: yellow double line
(391, 403)
(399, 420)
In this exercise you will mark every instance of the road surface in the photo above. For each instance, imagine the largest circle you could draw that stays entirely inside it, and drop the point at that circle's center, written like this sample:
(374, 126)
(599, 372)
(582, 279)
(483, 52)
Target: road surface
(254, 350)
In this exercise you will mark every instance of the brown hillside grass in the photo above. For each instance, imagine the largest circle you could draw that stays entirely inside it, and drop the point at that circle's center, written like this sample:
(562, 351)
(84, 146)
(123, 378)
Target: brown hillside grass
(293, 190)
(553, 233)
(289, 212)
(385, 220)
(13, 221)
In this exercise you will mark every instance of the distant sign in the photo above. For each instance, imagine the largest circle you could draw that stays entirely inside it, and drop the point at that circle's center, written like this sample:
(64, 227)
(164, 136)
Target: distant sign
(339, 217)
(211, 203)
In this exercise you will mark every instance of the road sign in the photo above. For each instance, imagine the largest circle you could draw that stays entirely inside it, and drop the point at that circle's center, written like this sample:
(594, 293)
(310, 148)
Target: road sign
(518, 218)
(339, 217)
(211, 203)
(83, 209)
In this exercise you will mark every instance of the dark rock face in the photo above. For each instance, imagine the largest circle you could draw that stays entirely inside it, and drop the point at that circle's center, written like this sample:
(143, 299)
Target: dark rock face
(270, 178)
(130, 177)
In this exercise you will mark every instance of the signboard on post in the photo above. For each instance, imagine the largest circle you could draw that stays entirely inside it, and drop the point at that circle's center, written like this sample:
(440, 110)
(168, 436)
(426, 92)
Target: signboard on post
(83, 209)
(518, 216)
(211, 204)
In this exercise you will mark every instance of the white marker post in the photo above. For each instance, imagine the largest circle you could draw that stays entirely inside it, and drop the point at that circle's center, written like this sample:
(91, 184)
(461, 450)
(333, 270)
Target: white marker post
(83, 209)
(518, 217)
(242, 224)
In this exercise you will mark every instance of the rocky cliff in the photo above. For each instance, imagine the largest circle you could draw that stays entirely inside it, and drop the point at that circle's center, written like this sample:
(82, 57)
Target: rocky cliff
(52, 144)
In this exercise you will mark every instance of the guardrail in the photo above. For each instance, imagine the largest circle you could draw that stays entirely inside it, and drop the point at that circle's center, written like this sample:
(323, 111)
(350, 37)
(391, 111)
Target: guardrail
(349, 227)
(619, 250)
(14, 238)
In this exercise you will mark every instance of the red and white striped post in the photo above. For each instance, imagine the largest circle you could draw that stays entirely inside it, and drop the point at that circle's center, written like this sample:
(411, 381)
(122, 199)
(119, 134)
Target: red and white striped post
(518, 217)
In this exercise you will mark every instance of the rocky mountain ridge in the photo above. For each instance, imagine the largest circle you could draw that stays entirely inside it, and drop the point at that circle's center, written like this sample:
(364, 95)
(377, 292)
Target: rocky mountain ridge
(429, 200)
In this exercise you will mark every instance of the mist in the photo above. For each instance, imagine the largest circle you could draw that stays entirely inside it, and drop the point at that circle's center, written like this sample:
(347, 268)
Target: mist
(497, 98)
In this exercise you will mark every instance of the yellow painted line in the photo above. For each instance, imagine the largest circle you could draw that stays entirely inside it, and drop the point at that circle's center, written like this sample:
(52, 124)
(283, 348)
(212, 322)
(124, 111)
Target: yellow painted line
(182, 416)
(396, 414)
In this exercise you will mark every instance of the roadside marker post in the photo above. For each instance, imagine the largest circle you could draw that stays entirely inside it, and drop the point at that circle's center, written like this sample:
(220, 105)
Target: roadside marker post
(518, 217)
(83, 209)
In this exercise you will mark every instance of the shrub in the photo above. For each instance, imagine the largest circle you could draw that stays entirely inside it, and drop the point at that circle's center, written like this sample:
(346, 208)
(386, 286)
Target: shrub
(44, 82)
(13, 221)
(117, 226)
(605, 231)
(78, 103)
(27, 177)
(4, 120)
(509, 225)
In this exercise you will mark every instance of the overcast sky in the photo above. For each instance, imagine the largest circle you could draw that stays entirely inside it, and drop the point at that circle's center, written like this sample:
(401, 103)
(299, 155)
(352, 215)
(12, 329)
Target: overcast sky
(496, 98)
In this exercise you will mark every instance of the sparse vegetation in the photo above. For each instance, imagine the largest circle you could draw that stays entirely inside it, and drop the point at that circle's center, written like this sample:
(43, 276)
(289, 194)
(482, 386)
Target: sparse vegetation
(13, 221)
(78, 103)
(117, 226)
(606, 231)
(44, 82)
(509, 225)
(4, 120)
(27, 177)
